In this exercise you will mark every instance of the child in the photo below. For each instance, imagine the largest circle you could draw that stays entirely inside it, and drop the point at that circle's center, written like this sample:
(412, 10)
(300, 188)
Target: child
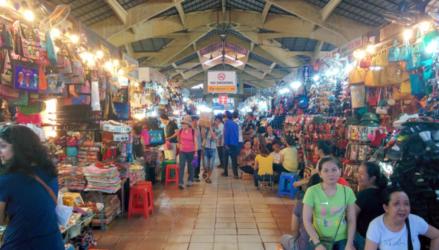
(277, 159)
(263, 165)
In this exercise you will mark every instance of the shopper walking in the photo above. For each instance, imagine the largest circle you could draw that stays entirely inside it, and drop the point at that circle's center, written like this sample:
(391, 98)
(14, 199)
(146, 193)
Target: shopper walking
(198, 138)
(369, 204)
(209, 135)
(220, 139)
(23, 199)
(231, 144)
(187, 150)
(329, 210)
(171, 133)
(397, 228)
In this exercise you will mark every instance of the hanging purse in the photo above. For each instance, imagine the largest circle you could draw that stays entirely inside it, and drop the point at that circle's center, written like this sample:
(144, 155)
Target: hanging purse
(6, 38)
(393, 52)
(357, 76)
(42, 78)
(394, 74)
(373, 78)
(417, 85)
(25, 76)
(372, 97)
(50, 48)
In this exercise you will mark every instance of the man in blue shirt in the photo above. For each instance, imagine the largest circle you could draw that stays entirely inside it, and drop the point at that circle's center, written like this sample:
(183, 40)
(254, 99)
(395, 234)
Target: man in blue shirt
(231, 144)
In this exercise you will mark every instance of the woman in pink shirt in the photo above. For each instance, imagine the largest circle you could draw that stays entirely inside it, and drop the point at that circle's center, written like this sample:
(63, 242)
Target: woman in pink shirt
(187, 145)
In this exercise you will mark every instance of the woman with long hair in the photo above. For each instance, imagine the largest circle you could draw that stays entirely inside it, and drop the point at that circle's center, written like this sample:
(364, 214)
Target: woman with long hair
(369, 200)
(27, 202)
(329, 210)
(397, 228)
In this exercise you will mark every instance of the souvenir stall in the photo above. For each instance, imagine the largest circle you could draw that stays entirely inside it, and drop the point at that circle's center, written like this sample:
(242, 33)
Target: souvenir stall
(378, 102)
(68, 89)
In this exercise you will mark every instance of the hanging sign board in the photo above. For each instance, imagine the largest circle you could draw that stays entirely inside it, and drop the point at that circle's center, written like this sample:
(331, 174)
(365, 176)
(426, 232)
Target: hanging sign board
(223, 82)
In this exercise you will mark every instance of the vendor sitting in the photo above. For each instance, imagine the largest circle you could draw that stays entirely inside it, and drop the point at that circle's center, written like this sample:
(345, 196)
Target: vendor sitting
(246, 158)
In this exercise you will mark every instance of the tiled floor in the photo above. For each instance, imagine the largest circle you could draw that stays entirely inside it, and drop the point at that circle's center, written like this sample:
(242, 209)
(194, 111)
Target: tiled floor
(227, 214)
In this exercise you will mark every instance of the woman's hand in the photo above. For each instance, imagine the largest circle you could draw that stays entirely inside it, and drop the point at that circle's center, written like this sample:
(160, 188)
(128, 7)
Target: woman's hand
(320, 247)
(350, 247)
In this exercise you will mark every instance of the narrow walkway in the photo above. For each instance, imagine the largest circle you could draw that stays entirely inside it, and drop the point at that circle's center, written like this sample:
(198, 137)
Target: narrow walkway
(227, 214)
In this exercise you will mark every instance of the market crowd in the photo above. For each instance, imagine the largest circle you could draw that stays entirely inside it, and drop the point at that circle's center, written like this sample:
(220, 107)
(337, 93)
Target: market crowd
(328, 214)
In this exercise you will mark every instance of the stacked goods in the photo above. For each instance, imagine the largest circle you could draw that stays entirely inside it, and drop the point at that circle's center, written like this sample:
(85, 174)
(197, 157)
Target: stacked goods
(102, 178)
(88, 154)
(108, 213)
(71, 177)
(136, 173)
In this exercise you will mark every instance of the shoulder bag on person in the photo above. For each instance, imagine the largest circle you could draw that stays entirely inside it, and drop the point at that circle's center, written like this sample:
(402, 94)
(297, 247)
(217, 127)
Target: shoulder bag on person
(63, 213)
(290, 242)
(329, 242)
(409, 235)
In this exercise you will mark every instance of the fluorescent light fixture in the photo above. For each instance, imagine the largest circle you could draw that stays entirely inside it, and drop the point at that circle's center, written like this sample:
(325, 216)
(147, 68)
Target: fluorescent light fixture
(284, 91)
(295, 85)
(198, 86)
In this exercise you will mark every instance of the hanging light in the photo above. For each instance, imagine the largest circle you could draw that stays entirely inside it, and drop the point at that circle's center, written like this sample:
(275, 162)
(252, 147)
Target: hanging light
(3, 3)
(295, 85)
(424, 26)
(407, 34)
(359, 54)
(370, 49)
(99, 54)
(29, 15)
(55, 33)
(74, 38)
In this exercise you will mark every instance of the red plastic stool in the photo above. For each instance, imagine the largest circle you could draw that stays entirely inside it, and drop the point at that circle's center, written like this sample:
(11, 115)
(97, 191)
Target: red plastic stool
(138, 203)
(148, 186)
(168, 178)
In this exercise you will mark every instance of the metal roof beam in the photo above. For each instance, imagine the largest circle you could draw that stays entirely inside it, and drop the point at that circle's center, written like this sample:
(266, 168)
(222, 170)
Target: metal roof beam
(329, 8)
(110, 27)
(338, 25)
(120, 12)
(181, 14)
(265, 11)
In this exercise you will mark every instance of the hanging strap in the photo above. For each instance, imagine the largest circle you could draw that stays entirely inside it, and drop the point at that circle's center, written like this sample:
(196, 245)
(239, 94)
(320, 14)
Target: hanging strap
(48, 189)
(409, 235)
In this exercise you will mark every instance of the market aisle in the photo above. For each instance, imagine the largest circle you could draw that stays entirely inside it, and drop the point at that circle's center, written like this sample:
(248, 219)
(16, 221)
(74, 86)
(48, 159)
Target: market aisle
(227, 214)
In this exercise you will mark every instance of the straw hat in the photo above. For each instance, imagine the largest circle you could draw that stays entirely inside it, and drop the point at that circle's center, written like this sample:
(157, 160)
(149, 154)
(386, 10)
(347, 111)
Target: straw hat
(187, 119)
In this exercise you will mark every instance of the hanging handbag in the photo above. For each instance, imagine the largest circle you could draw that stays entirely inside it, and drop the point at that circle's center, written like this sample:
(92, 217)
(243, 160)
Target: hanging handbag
(357, 76)
(373, 78)
(417, 85)
(414, 57)
(373, 96)
(50, 48)
(42, 78)
(6, 38)
(406, 89)
(63, 213)
(394, 74)
(358, 96)
(393, 52)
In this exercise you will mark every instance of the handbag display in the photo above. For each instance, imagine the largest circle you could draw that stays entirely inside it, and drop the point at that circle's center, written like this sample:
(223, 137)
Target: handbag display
(63, 213)
(357, 76)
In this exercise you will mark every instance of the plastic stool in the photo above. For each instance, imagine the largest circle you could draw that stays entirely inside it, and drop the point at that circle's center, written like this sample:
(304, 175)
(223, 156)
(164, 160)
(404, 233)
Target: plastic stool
(147, 185)
(286, 187)
(138, 203)
(168, 177)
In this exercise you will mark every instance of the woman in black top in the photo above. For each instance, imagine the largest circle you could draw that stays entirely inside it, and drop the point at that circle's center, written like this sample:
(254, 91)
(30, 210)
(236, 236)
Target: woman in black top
(369, 200)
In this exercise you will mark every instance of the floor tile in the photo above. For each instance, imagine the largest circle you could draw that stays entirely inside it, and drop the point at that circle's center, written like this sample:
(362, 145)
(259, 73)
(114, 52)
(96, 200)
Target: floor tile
(228, 214)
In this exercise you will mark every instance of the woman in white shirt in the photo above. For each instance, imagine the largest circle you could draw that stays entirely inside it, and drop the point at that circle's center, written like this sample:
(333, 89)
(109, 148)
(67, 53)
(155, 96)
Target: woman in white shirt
(390, 231)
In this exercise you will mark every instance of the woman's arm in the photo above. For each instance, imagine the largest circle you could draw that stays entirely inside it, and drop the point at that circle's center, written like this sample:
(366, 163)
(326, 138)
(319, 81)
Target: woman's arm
(351, 216)
(370, 245)
(2, 212)
(433, 235)
(307, 222)
(295, 225)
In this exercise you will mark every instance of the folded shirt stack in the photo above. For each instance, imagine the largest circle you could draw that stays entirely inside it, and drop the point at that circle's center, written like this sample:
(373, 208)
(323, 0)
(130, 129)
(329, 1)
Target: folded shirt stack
(102, 178)
(71, 177)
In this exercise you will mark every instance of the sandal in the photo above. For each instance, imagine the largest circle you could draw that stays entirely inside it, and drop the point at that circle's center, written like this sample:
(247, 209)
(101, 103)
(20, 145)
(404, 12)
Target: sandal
(208, 181)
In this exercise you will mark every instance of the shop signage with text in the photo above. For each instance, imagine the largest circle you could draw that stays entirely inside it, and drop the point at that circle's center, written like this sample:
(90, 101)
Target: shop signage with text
(221, 82)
